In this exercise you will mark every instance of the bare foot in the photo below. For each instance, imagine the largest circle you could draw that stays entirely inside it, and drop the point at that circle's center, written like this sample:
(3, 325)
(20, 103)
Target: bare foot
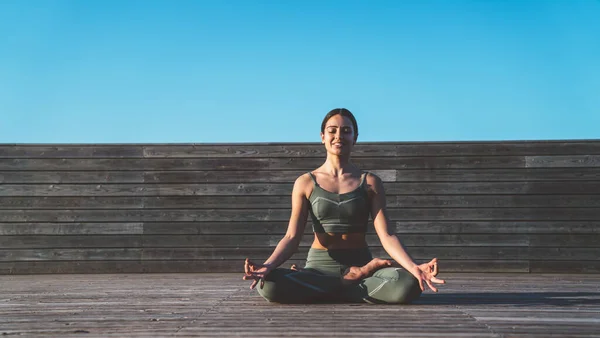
(353, 274)
(296, 268)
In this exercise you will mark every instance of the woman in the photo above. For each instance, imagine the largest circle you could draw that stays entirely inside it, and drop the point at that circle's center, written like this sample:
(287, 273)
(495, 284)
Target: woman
(339, 267)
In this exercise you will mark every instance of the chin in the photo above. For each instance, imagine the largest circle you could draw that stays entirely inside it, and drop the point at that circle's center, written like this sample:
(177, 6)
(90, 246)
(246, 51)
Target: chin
(339, 151)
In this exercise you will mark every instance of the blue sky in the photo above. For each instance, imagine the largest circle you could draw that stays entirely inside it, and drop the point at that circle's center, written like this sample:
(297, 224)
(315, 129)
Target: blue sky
(268, 71)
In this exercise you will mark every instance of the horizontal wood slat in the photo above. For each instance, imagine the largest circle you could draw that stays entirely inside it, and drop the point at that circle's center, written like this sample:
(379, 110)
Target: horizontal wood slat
(510, 175)
(171, 266)
(238, 241)
(578, 161)
(462, 188)
(514, 206)
(557, 228)
(287, 176)
(256, 163)
(393, 149)
(254, 241)
(70, 151)
(379, 149)
(284, 201)
(282, 215)
(418, 253)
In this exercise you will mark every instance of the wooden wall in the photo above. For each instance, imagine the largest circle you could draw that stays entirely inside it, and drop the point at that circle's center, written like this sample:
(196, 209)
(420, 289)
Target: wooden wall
(477, 206)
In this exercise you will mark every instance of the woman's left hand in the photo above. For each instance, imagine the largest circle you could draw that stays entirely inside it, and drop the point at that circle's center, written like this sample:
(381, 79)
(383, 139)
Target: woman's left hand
(426, 274)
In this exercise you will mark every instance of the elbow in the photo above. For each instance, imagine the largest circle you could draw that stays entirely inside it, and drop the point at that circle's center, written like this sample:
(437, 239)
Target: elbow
(293, 238)
(388, 238)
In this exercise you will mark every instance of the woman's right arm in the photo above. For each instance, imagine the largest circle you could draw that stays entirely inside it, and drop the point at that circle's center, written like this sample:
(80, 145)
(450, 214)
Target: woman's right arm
(288, 245)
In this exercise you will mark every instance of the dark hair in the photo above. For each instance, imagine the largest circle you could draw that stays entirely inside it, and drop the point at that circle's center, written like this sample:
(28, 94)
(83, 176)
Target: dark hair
(344, 112)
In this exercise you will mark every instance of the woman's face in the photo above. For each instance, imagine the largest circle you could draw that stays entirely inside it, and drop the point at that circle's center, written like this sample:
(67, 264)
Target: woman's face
(338, 136)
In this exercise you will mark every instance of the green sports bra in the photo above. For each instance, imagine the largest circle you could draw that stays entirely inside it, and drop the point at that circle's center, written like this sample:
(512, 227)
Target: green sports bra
(339, 213)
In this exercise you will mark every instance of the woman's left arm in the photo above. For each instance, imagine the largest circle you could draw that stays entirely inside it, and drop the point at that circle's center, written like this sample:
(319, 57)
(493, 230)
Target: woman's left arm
(425, 273)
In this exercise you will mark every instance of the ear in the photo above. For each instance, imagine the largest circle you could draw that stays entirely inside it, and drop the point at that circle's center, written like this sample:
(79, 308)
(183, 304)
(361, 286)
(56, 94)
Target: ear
(322, 138)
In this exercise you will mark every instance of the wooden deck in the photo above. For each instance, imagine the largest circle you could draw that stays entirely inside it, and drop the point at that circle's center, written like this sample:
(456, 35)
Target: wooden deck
(470, 305)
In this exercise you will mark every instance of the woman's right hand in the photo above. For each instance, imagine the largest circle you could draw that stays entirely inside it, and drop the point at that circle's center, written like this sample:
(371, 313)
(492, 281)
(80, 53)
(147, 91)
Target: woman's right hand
(256, 272)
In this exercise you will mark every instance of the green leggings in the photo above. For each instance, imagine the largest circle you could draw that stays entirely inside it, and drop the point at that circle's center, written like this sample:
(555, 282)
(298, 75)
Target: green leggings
(320, 281)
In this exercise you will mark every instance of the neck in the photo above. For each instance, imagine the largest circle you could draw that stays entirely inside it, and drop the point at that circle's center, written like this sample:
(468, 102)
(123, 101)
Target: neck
(338, 165)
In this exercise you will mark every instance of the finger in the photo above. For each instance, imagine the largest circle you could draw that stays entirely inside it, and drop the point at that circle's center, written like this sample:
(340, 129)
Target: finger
(433, 288)
(255, 276)
(262, 283)
(254, 284)
(421, 285)
(437, 280)
(246, 266)
(435, 268)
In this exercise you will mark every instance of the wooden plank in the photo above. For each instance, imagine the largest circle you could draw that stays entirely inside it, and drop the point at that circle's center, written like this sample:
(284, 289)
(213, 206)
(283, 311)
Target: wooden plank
(506, 214)
(564, 240)
(292, 150)
(486, 175)
(118, 228)
(281, 189)
(378, 149)
(451, 227)
(136, 266)
(250, 215)
(577, 161)
(362, 149)
(422, 254)
(77, 241)
(555, 228)
(93, 254)
(70, 151)
(207, 176)
(284, 201)
(543, 265)
(140, 215)
(145, 189)
(222, 176)
(203, 266)
(385, 163)
(492, 201)
(66, 202)
(242, 241)
(30, 177)
(510, 188)
(209, 228)
(219, 202)
(279, 228)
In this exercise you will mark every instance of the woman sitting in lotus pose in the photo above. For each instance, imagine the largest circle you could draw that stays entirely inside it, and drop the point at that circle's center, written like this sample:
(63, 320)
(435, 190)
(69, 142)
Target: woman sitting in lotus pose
(339, 198)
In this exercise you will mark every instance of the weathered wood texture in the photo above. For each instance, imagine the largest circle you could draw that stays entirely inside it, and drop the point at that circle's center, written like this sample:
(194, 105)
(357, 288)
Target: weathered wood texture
(531, 206)
(221, 305)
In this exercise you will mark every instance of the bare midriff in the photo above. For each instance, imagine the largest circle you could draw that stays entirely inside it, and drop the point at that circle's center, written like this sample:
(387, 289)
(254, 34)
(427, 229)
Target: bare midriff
(330, 241)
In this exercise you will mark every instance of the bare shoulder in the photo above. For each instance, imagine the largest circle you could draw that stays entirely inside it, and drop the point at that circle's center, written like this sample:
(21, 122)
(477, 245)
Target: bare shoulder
(303, 185)
(374, 182)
